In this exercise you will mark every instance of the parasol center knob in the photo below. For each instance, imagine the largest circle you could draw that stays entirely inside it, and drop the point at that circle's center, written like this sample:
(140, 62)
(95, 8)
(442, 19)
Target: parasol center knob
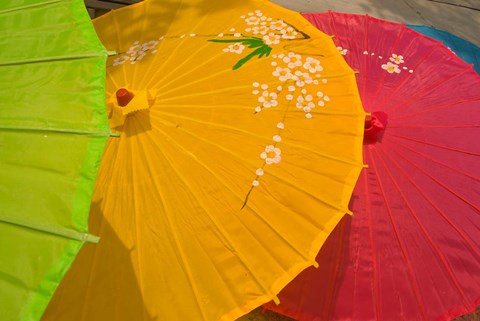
(375, 124)
(124, 97)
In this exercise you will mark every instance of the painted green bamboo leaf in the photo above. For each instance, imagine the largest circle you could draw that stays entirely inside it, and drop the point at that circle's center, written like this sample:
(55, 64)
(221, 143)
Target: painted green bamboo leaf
(253, 42)
(260, 52)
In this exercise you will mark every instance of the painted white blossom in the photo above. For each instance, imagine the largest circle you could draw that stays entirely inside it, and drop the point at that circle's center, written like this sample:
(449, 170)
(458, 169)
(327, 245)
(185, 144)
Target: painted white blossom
(133, 51)
(271, 39)
(252, 20)
(306, 104)
(137, 52)
(281, 125)
(309, 80)
(255, 183)
(260, 172)
(300, 101)
(292, 60)
(283, 74)
(391, 68)
(312, 65)
(397, 59)
(289, 33)
(322, 99)
(271, 155)
(297, 75)
(138, 56)
(149, 45)
(302, 78)
(120, 60)
(237, 48)
(258, 30)
(343, 51)
(277, 138)
(268, 99)
(277, 25)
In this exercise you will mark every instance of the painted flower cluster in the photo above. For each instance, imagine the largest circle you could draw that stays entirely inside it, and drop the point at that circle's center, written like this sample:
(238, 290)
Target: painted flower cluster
(137, 52)
(300, 85)
(394, 65)
(271, 30)
(296, 73)
(342, 50)
(260, 34)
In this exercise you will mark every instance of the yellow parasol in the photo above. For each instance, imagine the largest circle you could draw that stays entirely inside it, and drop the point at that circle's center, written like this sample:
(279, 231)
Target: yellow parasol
(240, 143)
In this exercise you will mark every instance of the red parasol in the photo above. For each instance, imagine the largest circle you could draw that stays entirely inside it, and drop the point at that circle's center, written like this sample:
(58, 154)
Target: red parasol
(413, 249)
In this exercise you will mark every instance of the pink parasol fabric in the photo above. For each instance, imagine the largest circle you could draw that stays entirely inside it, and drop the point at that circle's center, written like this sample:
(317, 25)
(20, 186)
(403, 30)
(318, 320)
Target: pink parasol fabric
(412, 249)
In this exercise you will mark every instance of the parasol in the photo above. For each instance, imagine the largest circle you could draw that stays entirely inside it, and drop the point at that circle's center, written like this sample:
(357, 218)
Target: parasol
(413, 248)
(53, 129)
(464, 49)
(237, 121)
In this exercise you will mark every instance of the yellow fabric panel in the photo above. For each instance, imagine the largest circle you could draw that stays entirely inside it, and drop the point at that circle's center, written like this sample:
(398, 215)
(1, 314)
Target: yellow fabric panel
(184, 233)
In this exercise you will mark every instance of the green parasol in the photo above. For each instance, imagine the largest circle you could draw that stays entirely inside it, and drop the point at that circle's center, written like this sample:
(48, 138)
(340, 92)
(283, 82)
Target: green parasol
(53, 128)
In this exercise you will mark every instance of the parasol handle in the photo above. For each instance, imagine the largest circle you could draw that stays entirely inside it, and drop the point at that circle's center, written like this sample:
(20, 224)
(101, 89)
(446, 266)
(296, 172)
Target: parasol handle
(375, 124)
(123, 97)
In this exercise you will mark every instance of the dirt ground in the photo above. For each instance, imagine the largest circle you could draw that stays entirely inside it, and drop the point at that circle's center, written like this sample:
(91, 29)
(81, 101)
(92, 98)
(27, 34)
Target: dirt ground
(471, 317)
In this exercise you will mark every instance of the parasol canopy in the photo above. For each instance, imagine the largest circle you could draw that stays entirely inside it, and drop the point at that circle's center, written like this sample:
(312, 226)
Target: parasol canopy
(412, 251)
(53, 129)
(465, 49)
(238, 120)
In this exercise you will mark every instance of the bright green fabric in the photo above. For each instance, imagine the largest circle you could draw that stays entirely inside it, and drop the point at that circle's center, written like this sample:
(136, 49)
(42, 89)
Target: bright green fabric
(53, 129)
